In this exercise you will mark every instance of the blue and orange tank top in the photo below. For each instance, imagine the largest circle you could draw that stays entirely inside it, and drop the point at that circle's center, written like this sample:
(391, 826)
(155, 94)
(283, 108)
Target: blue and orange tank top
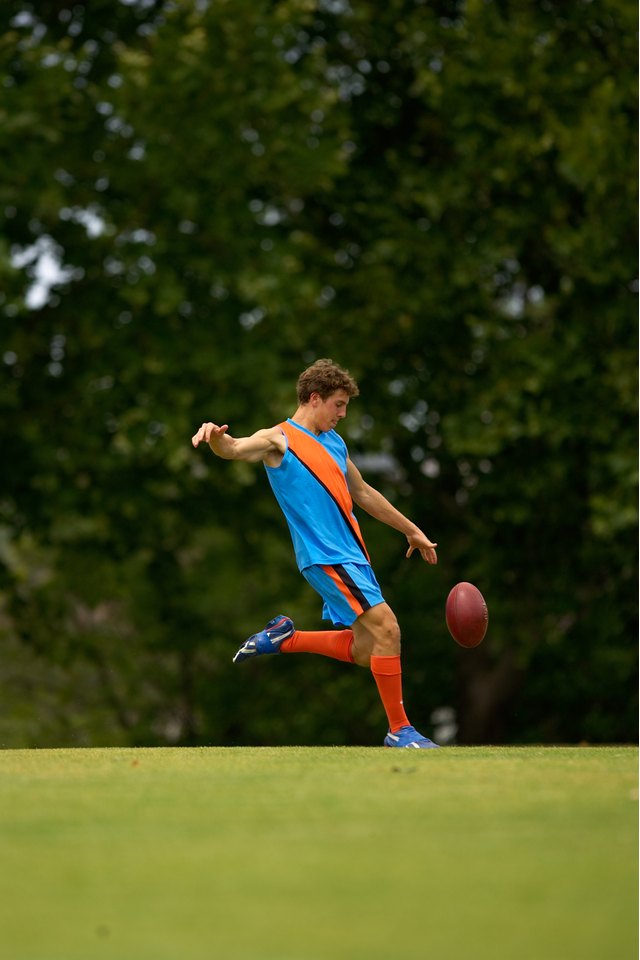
(311, 487)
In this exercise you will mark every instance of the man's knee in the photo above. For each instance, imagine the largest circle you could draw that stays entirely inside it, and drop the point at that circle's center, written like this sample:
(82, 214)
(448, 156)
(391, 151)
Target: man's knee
(377, 633)
(382, 618)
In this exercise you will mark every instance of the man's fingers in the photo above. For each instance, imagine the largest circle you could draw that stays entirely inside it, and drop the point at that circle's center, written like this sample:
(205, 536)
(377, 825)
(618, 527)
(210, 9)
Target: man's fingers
(427, 553)
(206, 431)
(200, 435)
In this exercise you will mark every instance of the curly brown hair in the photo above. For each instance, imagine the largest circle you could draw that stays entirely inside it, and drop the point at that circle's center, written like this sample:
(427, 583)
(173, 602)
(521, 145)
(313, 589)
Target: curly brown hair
(325, 377)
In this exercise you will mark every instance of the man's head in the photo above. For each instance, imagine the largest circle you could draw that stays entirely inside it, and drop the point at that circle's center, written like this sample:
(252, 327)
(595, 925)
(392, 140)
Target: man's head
(324, 377)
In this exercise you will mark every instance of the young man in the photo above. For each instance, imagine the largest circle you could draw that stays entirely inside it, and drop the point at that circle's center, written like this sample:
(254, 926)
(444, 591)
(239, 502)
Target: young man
(316, 483)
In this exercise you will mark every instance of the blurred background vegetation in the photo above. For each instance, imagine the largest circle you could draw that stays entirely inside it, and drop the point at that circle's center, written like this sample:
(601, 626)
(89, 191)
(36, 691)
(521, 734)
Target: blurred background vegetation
(200, 198)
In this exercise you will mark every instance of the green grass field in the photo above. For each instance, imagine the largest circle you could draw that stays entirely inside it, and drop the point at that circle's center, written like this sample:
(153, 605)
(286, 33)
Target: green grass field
(319, 854)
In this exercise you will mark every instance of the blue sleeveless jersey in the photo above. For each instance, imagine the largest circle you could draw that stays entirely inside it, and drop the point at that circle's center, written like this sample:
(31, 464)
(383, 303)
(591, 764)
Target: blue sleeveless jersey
(311, 487)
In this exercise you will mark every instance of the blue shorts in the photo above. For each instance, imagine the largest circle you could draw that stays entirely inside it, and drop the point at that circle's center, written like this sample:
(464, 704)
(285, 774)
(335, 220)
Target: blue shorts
(348, 590)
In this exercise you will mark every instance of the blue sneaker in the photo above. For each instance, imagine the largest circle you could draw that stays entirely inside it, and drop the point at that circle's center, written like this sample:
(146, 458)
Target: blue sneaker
(408, 737)
(268, 640)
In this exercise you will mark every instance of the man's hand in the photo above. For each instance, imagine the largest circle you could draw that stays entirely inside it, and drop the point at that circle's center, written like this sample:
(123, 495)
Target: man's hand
(214, 435)
(420, 541)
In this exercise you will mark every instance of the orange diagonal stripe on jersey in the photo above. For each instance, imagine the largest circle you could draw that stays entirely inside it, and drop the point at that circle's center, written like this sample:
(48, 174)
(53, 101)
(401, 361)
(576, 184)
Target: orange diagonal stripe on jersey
(325, 469)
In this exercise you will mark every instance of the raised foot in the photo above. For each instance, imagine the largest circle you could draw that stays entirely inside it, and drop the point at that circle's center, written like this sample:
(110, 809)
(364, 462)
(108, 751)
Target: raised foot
(266, 641)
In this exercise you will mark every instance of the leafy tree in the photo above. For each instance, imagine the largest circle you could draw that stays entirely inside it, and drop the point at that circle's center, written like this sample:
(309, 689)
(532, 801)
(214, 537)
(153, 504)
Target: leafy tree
(437, 195)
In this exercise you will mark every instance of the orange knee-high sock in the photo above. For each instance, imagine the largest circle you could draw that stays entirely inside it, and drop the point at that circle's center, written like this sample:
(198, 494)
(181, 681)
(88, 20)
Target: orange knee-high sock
(328, 643)
(387, 674)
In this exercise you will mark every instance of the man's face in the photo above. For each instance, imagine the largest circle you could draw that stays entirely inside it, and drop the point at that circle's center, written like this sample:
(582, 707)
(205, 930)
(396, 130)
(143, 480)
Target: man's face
(329, 412)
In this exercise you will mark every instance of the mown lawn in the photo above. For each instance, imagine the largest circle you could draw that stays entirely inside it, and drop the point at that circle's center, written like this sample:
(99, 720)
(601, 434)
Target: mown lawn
(319, 854)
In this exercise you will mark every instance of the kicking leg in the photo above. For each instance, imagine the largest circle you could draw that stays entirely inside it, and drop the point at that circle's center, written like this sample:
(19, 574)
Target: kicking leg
(336, 644)
(281, 636)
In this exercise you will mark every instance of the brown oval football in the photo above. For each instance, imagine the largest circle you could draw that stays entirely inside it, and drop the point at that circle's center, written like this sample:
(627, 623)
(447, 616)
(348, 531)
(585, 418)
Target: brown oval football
(467, 615)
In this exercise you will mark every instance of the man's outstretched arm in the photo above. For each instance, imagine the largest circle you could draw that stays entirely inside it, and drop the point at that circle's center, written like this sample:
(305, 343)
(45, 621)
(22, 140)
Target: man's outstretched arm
(375, 504)
(262, 445)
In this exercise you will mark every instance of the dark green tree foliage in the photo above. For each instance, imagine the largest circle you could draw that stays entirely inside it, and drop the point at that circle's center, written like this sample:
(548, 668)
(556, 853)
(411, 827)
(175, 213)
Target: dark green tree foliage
(442, 197)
